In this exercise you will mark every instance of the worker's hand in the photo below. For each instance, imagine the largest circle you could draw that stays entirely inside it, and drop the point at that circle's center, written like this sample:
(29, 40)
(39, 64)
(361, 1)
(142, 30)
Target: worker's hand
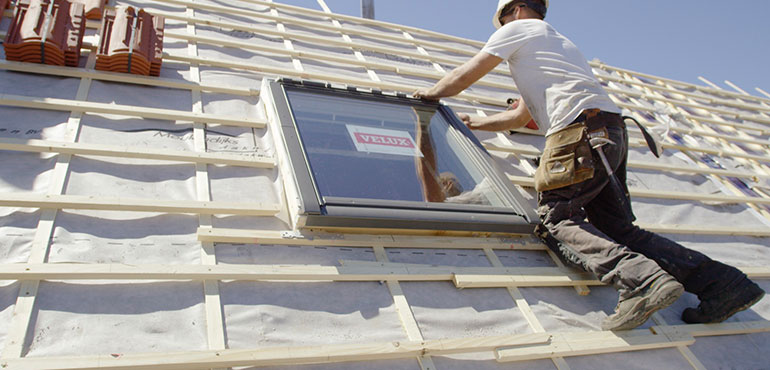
(425, 94)
(478, 123)
(497, 122)
(465, 118)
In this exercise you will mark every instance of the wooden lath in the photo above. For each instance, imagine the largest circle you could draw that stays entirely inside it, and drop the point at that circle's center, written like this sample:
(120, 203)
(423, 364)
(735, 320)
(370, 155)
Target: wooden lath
(517, 347)
(84, 149)
(126, 110)
(22, 200)
(123, 78)
(240, 236)
(332, 353)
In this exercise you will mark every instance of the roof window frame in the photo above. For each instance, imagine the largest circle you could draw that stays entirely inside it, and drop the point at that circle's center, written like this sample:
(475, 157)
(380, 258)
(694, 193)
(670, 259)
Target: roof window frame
(333, 212)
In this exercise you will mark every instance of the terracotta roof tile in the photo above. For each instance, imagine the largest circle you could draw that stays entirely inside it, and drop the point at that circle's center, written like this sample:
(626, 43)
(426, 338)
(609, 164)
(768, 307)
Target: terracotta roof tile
(94, 8)
(131, 42)
(45, 31)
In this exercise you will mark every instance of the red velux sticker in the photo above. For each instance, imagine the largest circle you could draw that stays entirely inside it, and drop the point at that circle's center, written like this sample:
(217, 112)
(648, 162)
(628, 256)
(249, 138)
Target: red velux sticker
(384, 141)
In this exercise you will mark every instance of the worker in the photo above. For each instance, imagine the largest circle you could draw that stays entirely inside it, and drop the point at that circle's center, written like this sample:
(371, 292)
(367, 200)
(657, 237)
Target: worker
(585, 215)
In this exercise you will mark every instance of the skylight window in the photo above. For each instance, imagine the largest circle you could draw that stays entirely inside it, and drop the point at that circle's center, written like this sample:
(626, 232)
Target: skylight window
(370, 160)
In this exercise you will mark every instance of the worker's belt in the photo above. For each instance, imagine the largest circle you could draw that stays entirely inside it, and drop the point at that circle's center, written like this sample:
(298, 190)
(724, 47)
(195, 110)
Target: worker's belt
(567, 157)
(596, 119)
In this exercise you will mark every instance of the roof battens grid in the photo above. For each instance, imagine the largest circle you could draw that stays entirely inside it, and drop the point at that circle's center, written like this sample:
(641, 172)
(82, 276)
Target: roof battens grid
(684, 350)
(717, 152)
(484, 99)
(711, 90)
(313, 25)
(25, 302)
(764, 105)
(592, 343)
(710, 99)
(684, 103)
(462, 277)
(514, 292)
(408, 321)
(729, 145)
(135, 205)
(706, 169)
(757, 166)
(374, 22)
(521, 302)
(643, 165)
(126, 110)
(419, 42)
(421, 73)
(325, 77)
(705, 130)
(507, 348)
(375, 35)
(122, 77)
(284, 355)
(690, 116)
(677, 195)
(215, 327)
(325, 41)
(42, 146)
(366, 354)
(443, 47)
(359, 56)
(326, 57)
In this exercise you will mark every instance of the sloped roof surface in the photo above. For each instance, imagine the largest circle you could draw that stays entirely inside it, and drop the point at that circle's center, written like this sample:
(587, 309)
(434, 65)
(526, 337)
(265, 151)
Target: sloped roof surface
(145, 222)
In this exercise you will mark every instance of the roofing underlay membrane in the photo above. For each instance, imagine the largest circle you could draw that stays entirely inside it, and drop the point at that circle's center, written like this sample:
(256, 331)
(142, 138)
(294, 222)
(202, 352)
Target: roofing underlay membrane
(113, 257)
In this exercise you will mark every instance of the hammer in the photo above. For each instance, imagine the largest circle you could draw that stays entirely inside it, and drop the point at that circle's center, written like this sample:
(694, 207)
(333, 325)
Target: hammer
(597, 143)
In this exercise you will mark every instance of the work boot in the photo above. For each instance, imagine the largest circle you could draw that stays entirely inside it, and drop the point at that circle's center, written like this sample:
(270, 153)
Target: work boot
(634, 311)
(733, 298)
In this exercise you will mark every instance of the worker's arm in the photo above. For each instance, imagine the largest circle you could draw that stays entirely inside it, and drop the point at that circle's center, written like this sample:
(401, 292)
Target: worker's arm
(507, 120)
(461, 77)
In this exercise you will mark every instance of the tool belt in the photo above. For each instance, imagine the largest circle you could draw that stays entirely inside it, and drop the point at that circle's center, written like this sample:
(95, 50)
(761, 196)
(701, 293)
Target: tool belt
(567, 157)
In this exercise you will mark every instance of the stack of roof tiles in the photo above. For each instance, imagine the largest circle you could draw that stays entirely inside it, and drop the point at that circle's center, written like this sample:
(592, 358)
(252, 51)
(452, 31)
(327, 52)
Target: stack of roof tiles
(131, 42)
(93, 8)
(46, 31)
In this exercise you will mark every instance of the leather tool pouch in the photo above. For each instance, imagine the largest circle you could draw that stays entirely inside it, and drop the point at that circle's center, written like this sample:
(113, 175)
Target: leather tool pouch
(566, 159)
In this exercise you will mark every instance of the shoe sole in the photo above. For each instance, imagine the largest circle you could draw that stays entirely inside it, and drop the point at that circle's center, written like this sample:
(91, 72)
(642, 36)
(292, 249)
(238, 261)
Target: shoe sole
(640, 318)
(740, 308)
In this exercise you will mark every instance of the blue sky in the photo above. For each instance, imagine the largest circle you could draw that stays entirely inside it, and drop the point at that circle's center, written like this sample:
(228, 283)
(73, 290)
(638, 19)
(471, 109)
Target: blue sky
(677, 39)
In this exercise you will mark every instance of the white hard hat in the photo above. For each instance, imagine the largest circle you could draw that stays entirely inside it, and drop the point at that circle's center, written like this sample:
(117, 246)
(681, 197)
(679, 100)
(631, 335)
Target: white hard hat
(501, 4)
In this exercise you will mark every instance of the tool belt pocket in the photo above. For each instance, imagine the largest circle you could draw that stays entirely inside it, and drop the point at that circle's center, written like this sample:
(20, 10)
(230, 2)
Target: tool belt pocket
(566, 159)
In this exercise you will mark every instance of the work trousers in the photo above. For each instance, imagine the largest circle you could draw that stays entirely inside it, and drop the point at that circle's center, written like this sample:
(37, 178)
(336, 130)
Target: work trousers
(595, 230)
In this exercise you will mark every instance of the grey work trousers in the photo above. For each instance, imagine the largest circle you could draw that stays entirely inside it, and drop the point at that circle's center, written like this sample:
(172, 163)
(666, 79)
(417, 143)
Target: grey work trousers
(595, 231)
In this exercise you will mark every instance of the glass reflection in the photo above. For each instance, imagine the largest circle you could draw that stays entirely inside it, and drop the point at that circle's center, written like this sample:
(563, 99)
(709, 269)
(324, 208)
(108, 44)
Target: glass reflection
(368, 149)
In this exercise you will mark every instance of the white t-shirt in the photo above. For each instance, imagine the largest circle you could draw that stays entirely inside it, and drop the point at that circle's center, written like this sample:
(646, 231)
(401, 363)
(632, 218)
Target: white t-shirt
(552, 75)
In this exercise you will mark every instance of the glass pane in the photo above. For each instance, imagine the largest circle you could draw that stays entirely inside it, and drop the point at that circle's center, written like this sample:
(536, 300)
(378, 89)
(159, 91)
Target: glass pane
(360, 148)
